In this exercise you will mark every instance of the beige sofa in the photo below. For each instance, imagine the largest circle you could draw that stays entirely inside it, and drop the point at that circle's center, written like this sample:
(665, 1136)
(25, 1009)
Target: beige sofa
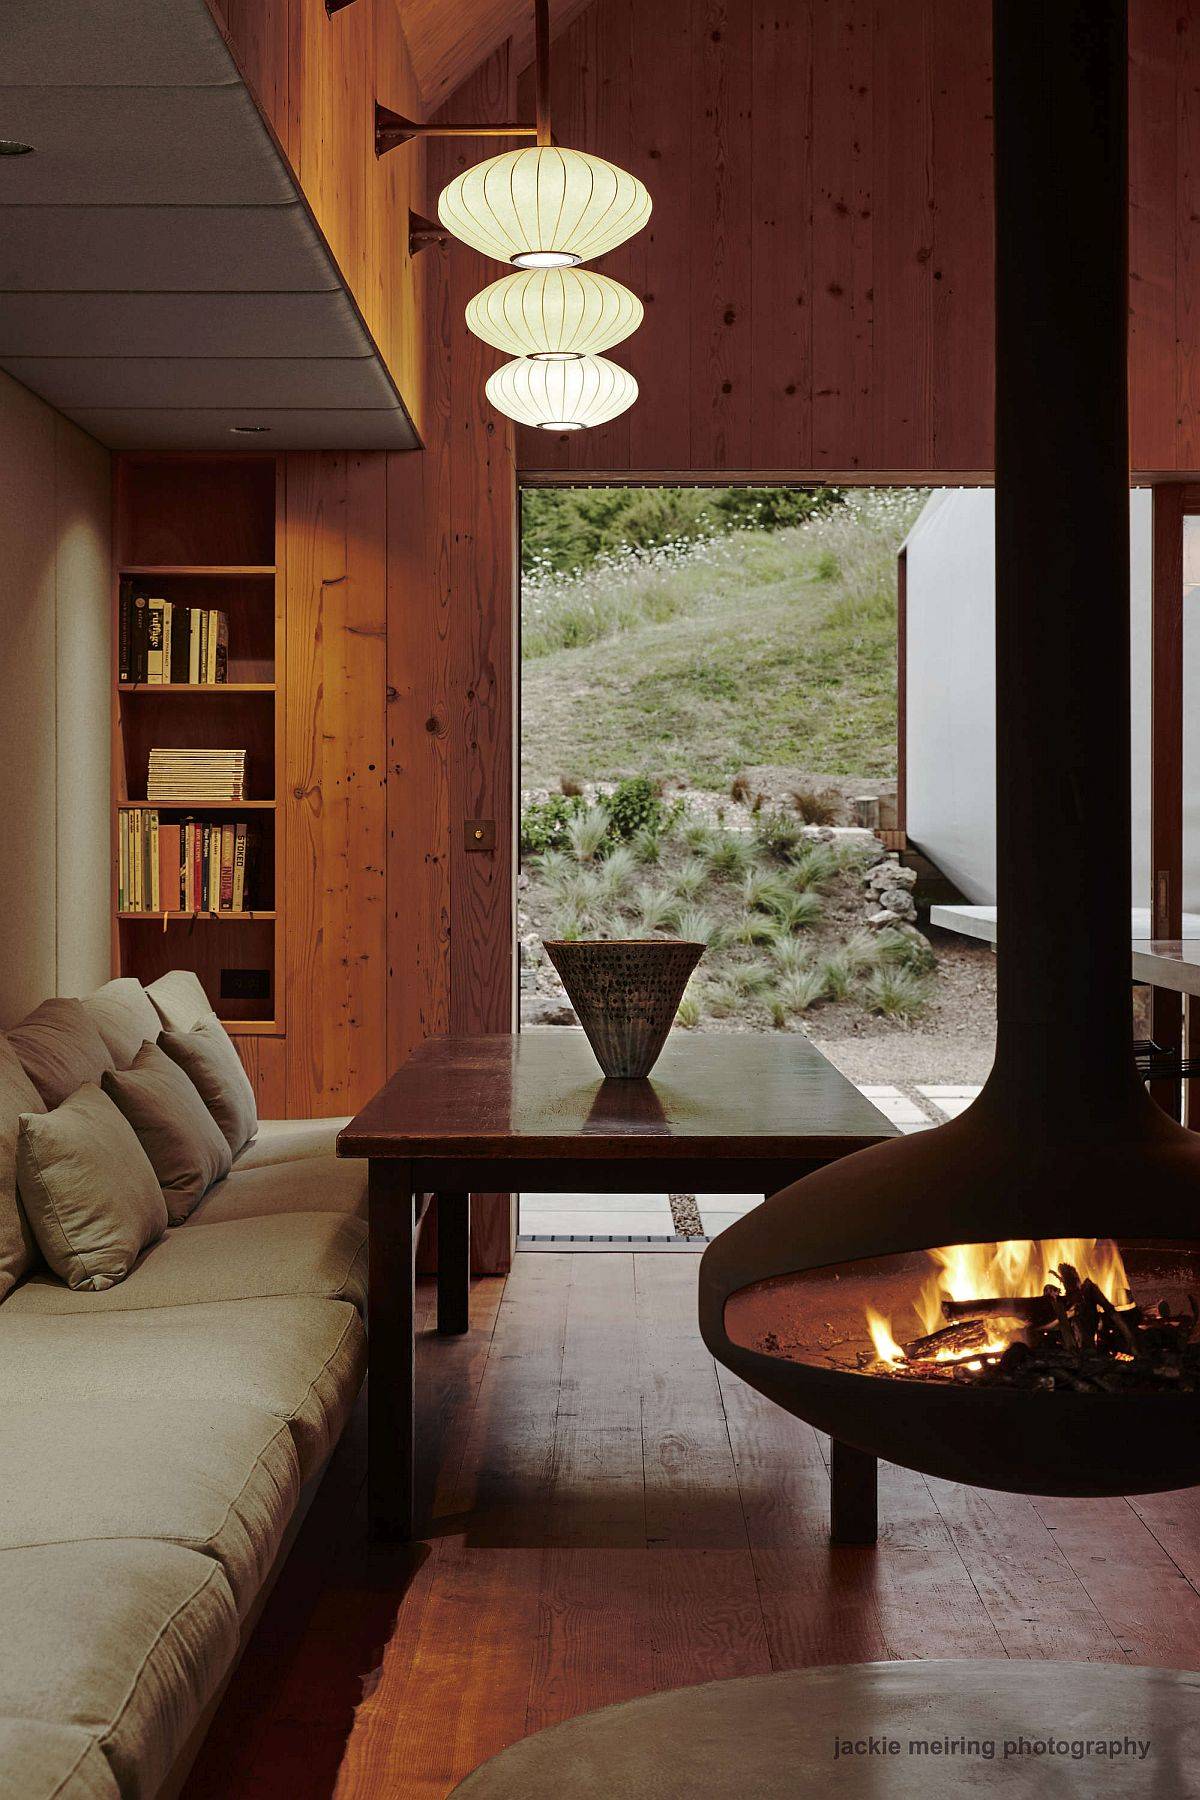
(161, 1439)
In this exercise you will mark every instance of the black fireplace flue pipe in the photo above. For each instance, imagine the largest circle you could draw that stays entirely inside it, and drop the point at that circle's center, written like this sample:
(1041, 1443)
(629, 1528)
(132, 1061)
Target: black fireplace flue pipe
(1062, 561)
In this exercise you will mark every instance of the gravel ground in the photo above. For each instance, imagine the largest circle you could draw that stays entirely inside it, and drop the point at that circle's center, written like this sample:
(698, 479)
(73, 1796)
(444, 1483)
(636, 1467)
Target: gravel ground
(954, 1042)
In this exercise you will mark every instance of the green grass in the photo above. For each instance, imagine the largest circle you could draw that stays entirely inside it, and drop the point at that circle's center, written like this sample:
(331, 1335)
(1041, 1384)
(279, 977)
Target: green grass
(775, 648)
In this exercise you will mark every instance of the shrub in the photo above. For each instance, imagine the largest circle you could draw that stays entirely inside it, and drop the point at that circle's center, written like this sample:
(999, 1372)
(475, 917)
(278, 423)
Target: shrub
(656, 909)
(853, 857)
(905, 950)
(777, 833)
(689, 880)
(722, 999)
(739, 789)
(838, 975)
(698, 835)
(617, 871)
(790, 956)
(727, 854)
(802, 990)
(695, 925)
(690, 1011)
(814, 866)
(752, 977)
(753, 928)
(861, 950)
(586, 833)
(647, 843)
(817, 808)
(898, 993)
(634, 805)
(763, 888)
(544, 823)
(566, 923)
(797, 911)
(827, 567)
(569, 786)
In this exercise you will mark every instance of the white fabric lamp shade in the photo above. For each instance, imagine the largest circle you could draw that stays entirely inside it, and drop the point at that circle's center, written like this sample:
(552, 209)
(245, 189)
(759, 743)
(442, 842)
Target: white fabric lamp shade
(544, 207)
(554, 313)
(561, 396)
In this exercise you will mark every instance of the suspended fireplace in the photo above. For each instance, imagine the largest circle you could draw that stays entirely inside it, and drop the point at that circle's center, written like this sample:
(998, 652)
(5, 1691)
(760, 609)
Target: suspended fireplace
(1009, 1299)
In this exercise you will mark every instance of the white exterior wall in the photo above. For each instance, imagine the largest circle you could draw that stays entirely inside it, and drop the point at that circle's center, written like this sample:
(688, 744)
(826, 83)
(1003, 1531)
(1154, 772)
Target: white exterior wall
(951, 694)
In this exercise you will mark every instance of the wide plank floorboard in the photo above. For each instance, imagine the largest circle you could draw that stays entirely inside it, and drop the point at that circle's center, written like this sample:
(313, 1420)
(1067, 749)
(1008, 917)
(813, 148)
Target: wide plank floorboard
(611, 1514)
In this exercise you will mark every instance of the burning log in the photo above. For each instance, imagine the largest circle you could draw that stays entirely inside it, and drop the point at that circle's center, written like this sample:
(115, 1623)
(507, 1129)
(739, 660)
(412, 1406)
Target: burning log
(1032, 1309)
(952, 1340)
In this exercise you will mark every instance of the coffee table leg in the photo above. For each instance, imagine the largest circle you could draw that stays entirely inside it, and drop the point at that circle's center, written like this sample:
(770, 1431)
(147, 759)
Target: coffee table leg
(853, 1495)
(454, 1264)
(392, 1350)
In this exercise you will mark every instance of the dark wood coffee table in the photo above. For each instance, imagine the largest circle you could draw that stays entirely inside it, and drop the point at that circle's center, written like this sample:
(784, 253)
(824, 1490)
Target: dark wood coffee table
(723, 1113)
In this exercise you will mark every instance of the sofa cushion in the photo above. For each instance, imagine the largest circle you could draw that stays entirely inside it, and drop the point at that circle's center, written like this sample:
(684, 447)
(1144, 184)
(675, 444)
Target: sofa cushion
(124, 1018)
(314, 1184)
(89, 1192)
(319, 1254)
(127, 1640)
(179, 999)
(59, 1049)
(219, 1479)
(301, 1360)
(18, 1251)
(290, 1140)
(186, 1146)
(207, 1056)
(41, 1761)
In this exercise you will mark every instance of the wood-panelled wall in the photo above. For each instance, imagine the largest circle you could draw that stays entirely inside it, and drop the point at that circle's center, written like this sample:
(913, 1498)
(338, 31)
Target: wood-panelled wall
(817, 271)
(315, 80)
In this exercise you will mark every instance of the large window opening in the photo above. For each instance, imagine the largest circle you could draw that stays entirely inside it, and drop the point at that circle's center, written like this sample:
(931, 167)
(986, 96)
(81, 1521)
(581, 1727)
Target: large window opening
(709, 749)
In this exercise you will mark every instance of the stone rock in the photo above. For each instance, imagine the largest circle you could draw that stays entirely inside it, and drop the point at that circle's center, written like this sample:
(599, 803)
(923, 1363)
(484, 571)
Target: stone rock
(899, 901)
(548, 1009)
(885, 917)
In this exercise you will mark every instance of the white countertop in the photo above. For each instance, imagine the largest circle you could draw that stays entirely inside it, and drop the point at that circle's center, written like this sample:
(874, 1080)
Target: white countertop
(1162, 962)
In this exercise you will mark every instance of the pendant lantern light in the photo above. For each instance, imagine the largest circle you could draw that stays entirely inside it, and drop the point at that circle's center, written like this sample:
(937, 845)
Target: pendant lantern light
(554, 315)
(561, 396)
(544, 207)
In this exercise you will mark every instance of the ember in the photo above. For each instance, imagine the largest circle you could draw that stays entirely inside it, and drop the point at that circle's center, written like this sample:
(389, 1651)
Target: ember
(1081, 1333)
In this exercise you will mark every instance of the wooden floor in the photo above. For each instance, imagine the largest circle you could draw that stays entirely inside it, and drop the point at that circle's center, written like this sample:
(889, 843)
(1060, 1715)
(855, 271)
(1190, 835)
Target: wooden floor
(614, 1516)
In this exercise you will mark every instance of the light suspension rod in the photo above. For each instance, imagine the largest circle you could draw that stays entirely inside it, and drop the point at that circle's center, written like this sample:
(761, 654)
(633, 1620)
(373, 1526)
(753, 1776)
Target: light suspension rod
(393, 128)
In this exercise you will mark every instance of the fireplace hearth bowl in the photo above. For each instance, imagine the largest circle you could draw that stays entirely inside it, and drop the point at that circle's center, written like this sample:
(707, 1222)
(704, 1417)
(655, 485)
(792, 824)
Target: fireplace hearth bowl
(1064, 1141)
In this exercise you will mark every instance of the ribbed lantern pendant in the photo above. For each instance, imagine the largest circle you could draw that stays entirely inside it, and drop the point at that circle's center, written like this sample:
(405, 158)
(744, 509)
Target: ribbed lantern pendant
(561, 396)
(554, 314)
(544, 207)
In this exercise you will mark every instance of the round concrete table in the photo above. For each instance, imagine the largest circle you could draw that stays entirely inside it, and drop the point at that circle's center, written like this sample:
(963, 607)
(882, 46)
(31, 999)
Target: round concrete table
(876, 1731)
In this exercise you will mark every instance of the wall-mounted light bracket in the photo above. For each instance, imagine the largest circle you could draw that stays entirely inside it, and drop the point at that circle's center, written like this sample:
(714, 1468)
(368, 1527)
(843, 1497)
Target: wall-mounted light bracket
(423, 232)
(392, 128)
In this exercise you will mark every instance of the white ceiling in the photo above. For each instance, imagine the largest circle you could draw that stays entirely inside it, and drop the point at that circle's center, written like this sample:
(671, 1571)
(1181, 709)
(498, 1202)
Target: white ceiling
(160, 280)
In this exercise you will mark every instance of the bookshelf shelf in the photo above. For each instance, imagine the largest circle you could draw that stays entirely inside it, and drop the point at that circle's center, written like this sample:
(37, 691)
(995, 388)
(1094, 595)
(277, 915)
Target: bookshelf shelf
(205, 688)
(197, 806)
(215, 571)
(204, 918)
(202, 535)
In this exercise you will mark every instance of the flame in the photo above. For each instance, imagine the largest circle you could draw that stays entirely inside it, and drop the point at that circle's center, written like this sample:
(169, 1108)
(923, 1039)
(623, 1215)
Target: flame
(886, 1347)
(1017, 1268)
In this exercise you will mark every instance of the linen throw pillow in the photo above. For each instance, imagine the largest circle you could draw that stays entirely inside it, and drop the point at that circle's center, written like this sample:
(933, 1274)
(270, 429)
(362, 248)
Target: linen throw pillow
(18, 1252)
(124, 1018)
(60, 1049)
(206, 1054)
(179, 999)
(186, 1146)
(88, 1190)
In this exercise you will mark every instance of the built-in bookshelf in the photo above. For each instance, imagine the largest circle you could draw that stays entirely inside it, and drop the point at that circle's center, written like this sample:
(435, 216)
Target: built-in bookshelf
(199, 534)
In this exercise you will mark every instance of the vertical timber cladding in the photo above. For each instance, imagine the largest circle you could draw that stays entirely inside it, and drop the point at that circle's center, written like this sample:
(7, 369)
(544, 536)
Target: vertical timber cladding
(335, 781)
(818, 268)
(451, 601)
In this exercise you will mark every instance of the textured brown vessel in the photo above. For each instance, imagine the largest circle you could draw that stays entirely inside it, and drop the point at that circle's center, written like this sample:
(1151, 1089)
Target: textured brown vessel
(626, 994)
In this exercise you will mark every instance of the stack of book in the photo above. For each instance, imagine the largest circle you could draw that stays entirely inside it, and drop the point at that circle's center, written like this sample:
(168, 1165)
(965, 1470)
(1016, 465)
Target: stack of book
(196, 775)
(186, 865)
(161, 642)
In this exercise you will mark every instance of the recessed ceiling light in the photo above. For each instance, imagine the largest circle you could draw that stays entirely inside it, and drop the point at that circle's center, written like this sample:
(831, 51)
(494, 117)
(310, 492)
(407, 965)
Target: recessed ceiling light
(11, 147)
(247, 430)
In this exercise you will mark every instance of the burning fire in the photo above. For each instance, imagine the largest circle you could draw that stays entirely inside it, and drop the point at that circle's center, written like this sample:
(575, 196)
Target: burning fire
(1021, 1268)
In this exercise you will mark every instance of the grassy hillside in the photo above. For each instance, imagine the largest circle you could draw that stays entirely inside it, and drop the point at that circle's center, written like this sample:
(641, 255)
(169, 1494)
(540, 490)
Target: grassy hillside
(696, 660)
